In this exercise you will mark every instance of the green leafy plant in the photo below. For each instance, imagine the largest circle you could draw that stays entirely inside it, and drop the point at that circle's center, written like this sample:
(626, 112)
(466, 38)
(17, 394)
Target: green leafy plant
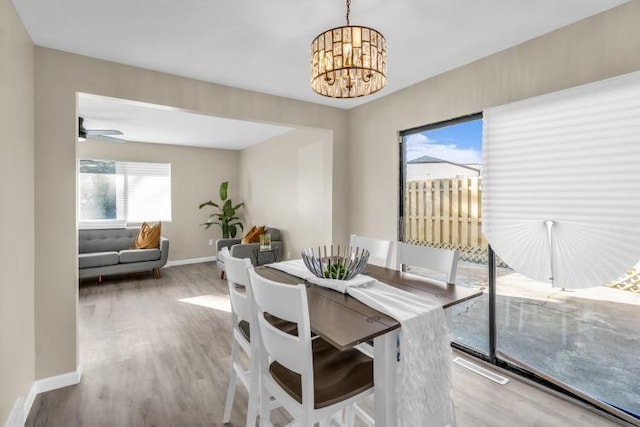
(225, 216)
(336, 271)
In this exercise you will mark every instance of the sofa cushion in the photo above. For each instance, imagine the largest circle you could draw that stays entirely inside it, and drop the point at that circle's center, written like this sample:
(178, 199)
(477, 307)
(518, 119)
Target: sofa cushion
(97, 259)
(106, 240)
(139, 255)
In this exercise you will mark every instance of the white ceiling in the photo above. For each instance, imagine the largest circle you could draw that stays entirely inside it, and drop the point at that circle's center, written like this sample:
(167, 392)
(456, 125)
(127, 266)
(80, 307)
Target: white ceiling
(157, 124)
(263, 45)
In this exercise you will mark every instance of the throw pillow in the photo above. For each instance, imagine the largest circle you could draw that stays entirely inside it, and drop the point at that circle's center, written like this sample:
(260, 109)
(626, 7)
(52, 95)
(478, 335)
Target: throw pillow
(246, 237)
(148, 237)
(259, 232)
(253, 236)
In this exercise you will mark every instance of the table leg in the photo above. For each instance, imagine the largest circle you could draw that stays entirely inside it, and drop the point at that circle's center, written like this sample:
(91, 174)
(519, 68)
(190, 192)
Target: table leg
(384, 377)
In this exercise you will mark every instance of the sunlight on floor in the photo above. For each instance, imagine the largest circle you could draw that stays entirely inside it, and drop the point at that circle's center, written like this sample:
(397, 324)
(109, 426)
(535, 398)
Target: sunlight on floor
(217, 302)
(518, 286)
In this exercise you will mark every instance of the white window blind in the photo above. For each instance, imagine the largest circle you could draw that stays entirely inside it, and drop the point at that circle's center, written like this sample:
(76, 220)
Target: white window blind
(561, 172)
(147, 190)
(112, 194)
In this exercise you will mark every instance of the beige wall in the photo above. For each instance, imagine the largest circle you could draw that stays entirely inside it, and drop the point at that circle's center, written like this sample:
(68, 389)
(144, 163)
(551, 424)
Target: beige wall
(286, 183)
(58, 77)
(16, 211)
(196, 174)
(603, 46)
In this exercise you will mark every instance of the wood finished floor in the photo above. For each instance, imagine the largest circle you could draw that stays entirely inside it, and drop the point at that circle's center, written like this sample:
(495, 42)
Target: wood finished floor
(150, 358)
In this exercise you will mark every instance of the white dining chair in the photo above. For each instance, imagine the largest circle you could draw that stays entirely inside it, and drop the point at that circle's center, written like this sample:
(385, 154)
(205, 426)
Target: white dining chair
(242, 315)
(242, 318)
(310, 378)
(444, 261)
(380, 249)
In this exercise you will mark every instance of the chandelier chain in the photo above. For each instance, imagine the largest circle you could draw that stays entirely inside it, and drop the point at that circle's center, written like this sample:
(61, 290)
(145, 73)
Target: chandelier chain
(348, 10)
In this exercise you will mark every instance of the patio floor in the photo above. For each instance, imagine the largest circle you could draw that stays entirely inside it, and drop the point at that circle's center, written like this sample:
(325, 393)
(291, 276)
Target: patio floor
(589, 339)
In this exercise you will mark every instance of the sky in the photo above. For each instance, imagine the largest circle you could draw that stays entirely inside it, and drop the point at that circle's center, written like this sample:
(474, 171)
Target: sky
(459, 143)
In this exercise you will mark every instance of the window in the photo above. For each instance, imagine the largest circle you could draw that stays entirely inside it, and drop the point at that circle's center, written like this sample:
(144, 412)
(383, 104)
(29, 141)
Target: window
(113, 194)
(441, 207)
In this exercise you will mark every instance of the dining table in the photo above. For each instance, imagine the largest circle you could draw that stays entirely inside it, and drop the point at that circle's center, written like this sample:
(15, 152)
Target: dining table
(345, 322)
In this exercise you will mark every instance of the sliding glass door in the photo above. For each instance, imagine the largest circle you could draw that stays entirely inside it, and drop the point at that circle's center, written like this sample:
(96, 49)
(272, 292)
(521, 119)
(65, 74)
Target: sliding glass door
(586, 342)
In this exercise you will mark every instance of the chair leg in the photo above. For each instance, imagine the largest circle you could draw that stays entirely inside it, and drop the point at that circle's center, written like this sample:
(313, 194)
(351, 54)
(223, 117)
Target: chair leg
(363, 416)
(265, 407)
(254, 392)
(231, 390)
(349, 416)
(306, 418)
(156, 273)
(222, 274)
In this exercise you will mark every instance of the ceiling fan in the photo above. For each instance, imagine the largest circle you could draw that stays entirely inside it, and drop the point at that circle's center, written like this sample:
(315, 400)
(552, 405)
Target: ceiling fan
(105, 134)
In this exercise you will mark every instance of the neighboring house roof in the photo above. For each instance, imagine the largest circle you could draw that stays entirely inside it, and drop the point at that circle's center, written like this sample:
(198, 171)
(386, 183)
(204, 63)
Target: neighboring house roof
(429, 159)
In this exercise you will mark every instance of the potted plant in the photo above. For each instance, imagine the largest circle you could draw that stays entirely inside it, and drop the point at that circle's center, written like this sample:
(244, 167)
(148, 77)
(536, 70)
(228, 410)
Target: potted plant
(225, 216)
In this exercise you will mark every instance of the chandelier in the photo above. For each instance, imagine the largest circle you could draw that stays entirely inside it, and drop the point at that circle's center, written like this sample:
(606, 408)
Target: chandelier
(348, 61)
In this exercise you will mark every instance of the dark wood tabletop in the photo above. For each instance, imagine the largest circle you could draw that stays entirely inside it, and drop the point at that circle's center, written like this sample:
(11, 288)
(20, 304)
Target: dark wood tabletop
(344, 321)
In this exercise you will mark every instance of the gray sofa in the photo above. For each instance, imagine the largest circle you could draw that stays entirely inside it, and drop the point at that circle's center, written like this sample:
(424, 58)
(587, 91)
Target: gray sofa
(108, 251)
(246, 250)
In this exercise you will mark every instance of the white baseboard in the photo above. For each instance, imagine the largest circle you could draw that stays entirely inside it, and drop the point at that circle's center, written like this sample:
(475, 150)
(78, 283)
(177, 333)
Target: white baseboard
(190, 261)
(16, 416)
(21, 409)
(59, 381)
(31, 397)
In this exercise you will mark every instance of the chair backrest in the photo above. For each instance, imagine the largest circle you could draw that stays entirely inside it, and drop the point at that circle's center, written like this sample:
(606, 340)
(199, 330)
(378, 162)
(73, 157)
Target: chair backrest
(241, 302)
(287, 302)
(381, 249)
(440, 260)
(274, 233)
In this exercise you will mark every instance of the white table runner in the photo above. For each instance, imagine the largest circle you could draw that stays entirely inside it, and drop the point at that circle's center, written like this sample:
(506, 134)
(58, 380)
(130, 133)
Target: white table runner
(424, 384)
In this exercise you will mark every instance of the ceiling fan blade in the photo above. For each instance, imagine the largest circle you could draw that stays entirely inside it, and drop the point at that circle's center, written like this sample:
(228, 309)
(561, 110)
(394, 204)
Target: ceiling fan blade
(102, 132)
(106, 138)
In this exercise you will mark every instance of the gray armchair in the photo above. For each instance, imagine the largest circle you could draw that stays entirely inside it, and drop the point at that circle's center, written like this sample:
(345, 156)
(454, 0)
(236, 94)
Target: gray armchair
(246, 250)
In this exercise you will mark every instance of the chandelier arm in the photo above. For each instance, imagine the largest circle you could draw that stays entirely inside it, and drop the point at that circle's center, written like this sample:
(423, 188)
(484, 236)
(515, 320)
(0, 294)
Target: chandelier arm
(330, 81)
